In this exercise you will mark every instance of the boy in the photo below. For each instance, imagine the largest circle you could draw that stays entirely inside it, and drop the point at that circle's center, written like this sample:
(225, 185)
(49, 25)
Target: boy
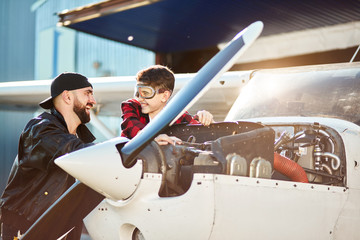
(153, 90)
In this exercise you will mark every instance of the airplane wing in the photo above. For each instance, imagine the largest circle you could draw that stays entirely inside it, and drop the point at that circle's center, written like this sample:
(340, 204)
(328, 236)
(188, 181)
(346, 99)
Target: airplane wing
(111, 91)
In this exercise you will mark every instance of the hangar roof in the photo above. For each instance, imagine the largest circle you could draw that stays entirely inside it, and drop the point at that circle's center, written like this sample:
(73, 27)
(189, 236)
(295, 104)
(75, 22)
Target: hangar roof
(182, 25)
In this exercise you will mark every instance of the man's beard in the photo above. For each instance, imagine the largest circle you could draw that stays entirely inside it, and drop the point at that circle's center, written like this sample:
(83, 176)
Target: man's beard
(81, 112)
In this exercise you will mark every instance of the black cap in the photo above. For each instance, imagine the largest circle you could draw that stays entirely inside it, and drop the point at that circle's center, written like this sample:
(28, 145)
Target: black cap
(65, 81)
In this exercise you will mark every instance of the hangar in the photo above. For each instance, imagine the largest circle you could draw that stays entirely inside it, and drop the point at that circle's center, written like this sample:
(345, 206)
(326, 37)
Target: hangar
(184, 34)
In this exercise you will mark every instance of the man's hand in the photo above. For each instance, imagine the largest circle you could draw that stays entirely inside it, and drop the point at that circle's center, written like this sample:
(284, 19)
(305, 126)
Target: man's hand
(205, 118)
(164, 139)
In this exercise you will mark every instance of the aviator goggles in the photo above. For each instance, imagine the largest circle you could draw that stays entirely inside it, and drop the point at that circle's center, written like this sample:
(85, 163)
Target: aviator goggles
(147, 92)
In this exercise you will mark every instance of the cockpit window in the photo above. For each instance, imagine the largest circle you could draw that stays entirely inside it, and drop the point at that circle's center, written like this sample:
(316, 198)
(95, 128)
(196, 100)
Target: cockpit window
(295, 92)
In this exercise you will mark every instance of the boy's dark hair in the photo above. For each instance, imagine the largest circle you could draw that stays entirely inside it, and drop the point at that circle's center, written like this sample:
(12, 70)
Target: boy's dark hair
(158, 77)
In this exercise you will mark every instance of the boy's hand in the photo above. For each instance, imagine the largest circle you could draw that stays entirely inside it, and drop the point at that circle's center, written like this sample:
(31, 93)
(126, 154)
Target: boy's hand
(205, 118)
(164, 139)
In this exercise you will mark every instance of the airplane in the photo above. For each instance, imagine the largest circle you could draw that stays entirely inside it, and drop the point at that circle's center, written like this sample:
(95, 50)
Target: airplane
(281, 166)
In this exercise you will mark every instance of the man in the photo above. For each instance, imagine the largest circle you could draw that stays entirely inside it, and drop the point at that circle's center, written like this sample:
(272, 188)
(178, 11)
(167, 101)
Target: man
(153, 90)
(35, 182)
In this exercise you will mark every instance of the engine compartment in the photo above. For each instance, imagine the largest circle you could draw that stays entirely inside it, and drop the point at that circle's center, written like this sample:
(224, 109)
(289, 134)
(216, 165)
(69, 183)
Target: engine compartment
(318, 149)
(247, 149)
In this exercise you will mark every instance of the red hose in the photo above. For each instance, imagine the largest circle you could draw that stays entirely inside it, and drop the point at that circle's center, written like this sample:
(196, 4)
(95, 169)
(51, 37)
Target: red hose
(289, 168)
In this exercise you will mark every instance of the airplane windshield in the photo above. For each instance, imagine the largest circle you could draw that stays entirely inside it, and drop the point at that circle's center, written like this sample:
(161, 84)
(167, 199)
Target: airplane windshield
(317, 91)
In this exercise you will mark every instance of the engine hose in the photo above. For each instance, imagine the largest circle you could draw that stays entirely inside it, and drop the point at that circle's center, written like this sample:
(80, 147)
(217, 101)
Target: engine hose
(289, 168)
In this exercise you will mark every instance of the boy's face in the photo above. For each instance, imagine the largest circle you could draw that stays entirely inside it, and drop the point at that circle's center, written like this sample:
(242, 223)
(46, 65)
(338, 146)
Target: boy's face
(154, 105)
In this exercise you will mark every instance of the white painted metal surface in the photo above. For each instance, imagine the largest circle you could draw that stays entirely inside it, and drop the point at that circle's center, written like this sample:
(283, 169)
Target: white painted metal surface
(189, 216)
(116, 181)
(269, 209)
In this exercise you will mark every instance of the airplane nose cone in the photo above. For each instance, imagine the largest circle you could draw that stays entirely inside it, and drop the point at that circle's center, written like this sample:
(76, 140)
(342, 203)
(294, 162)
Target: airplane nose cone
(100, 167)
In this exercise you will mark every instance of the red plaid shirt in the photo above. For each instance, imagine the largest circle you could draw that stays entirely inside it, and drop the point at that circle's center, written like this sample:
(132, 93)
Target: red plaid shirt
(134, 120)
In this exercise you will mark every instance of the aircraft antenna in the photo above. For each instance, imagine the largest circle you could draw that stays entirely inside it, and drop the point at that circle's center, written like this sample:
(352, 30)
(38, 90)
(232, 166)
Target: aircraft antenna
(356, 52)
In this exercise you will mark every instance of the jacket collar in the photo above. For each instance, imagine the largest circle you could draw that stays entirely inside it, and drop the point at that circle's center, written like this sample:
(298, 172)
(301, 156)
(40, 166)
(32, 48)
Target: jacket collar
(58, 115)
(82, 131)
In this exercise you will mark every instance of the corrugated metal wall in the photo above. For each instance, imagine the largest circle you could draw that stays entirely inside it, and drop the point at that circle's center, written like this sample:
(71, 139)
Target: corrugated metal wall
(17, 38)
(115, 59)
(19, 47)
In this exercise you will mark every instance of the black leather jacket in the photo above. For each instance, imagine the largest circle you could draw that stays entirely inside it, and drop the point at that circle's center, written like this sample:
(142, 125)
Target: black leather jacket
(35, 181)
